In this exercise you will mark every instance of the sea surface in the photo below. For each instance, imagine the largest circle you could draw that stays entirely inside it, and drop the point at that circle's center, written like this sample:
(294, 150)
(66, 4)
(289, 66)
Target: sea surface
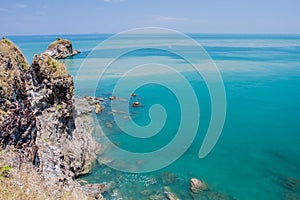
(258, 153)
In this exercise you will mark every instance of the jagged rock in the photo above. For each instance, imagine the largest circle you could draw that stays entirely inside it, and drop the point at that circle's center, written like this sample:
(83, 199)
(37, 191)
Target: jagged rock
(53, 87)
(169, 194)
(94, 101)
(18, 125)
(60, 49)
(197, 186)
(98, 108)
(39, 117)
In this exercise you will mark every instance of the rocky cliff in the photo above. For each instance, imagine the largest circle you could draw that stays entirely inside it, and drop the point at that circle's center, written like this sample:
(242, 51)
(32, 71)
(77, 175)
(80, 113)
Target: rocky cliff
(44, 132)
(17, 120)
(60, 49)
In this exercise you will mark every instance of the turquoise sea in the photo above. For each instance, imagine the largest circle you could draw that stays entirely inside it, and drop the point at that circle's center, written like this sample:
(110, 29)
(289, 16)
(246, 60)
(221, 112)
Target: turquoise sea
(258, 153)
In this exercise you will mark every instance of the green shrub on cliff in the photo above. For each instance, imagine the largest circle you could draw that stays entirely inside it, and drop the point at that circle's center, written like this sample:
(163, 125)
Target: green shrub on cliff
(4, 170)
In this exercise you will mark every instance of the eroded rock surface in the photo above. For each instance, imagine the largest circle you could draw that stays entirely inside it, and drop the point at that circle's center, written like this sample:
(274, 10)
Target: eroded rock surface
(197, 186)
(43, 132)
(60, 49)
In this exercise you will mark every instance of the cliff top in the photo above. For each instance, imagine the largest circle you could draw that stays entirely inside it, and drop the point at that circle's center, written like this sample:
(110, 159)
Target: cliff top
(13, 68)
(60, 49)
(12, 63)
(59, 41)
(51, 67)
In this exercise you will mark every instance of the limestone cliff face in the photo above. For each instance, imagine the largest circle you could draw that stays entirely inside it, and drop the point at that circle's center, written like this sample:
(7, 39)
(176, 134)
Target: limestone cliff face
(41, 120)
(60, 49)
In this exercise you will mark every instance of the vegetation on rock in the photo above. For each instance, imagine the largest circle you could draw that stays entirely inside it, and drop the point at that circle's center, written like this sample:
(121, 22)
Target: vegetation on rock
(42, 151)
(60, 49)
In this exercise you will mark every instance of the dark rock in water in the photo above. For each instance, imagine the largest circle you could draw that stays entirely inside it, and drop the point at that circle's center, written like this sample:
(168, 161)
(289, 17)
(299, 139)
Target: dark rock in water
(290, 183)
(60, 49)
(168, 178)
(112, 98)
(136, 104)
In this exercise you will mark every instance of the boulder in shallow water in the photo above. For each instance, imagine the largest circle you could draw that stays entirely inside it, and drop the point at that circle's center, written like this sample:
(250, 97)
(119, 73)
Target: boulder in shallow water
(197, 186)
(98, 108)
(136, 104)
(112, 98)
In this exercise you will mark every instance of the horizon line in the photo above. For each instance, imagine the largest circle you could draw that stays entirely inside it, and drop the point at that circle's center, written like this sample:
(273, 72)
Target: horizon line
(107, 33)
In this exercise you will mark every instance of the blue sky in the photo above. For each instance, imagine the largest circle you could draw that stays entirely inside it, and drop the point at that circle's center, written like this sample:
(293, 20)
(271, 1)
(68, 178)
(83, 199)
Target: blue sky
(111, 16)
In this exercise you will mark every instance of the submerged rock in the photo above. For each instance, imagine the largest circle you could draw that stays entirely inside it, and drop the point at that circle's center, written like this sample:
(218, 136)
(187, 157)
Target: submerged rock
(291, 195)
(112, 98)
(168, 178)
(197, 186)
(157, 197)
(98, 108)
(169, 194)
(291, 183)
(146, 192)
(60, 49)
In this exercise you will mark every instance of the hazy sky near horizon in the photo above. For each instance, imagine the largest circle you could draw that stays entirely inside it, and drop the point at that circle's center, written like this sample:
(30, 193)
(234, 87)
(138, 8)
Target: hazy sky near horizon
(32, 17)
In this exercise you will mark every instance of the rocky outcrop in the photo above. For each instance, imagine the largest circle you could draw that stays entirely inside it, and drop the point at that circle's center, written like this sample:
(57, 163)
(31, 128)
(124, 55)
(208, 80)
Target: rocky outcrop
(60, 49)
(41, 119)
(95, 102)
(18, 124)
(197, 186)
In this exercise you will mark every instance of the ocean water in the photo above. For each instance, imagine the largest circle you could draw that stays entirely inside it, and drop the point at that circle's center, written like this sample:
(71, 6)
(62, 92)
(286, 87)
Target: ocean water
(258, 153)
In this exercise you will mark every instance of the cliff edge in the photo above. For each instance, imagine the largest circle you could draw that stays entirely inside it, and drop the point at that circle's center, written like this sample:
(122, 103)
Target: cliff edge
(46, 135)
